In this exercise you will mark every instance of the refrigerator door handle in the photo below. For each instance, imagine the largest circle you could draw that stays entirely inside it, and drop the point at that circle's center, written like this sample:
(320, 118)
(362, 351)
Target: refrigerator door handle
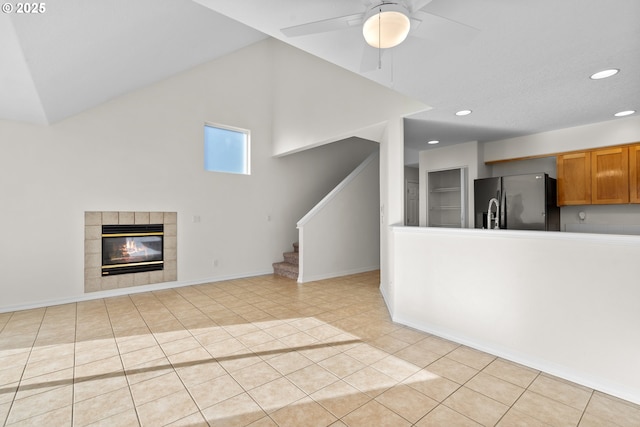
(503, 210)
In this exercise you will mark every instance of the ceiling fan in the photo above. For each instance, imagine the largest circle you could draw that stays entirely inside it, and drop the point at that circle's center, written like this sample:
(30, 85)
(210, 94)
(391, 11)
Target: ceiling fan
(386, 24)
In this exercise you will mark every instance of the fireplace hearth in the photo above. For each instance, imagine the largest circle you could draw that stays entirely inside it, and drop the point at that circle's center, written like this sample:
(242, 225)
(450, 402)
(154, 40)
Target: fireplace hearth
(132, 248)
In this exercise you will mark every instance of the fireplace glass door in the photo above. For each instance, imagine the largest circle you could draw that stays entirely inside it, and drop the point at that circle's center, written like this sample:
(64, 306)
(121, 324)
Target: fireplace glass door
(132, 248)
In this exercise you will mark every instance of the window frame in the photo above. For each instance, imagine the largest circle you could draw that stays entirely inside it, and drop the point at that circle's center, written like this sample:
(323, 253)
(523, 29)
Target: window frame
(247, 159)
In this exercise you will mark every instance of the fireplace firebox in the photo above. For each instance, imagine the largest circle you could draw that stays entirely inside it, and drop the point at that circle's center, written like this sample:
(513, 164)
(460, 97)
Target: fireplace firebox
(132, 248)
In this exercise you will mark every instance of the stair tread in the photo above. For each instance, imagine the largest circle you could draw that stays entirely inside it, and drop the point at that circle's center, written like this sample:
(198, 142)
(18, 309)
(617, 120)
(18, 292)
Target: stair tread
(292, 257)
(285, 269)
(286, 266)
(289, 267)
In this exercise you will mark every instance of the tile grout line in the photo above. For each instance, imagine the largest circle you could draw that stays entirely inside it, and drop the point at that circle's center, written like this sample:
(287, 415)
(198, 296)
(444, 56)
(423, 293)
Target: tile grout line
(584, 411)
(124, 371)
(297, 303)
(24, 369)
(201, 346)
(191, 396)
(15, 394)
(167, 357)
(306, 395)
(73, 372)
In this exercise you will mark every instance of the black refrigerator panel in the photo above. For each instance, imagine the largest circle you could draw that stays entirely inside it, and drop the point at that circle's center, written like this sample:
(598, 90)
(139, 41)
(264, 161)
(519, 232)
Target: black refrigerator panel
(484, 190)
(527, 202)
(553, 210)
(524, 202)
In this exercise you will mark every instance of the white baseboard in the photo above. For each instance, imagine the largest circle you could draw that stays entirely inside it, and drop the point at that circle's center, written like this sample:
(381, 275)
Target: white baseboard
(386, 300)
(564, 372)
(333, 274)
(129, 291)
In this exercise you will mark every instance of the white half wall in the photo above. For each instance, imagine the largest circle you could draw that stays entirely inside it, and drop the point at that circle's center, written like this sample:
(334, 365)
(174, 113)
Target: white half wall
(563, 303)
(341, 235)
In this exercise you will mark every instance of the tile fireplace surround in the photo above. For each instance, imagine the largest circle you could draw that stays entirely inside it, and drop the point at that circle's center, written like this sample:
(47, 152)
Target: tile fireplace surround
(93, 222)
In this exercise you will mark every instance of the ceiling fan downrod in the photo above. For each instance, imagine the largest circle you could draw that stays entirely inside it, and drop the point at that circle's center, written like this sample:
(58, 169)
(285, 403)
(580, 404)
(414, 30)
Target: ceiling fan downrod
(379, 35)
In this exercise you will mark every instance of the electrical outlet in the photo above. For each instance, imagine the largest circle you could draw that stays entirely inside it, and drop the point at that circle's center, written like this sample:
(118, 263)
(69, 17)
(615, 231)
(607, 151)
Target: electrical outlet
(215, 262)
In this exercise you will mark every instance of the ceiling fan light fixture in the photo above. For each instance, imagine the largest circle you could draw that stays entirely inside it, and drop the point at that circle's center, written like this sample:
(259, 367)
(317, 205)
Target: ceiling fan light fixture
(386, 25)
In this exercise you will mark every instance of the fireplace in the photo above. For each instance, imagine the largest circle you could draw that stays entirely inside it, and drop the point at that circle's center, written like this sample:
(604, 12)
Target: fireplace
(132, 248)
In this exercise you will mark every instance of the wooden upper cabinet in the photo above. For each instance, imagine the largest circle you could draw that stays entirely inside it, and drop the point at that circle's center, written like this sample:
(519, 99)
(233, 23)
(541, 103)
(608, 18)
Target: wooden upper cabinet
(574, 179)
(634, 173)
(610, 176)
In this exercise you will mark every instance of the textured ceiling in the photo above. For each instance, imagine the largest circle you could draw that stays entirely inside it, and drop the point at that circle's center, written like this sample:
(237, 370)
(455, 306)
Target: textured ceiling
(522, 66)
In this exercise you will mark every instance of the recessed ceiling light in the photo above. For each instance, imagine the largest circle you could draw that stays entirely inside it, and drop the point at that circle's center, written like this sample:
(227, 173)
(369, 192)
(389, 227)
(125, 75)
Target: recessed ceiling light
(433, 142)
(463, 113)
(604, 74)
(624, 113)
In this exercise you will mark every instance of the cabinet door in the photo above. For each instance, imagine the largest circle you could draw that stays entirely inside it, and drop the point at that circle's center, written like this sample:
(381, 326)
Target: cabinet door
(634, 173)
(574, 179)
(610, 176)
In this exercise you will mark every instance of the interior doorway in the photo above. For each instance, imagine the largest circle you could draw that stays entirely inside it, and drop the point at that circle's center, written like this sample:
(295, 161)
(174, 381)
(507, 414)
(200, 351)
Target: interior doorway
(411, 204)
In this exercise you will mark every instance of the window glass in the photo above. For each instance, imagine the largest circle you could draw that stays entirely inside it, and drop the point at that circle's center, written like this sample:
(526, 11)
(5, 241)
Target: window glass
(226, 150)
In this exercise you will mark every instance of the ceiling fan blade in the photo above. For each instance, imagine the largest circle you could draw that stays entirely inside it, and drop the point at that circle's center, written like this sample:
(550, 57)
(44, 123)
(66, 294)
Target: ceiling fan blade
(432, 27)
(326, 25)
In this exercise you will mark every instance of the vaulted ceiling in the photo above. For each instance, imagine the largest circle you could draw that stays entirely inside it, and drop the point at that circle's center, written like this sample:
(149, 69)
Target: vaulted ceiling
(79, 53)
(521, 66)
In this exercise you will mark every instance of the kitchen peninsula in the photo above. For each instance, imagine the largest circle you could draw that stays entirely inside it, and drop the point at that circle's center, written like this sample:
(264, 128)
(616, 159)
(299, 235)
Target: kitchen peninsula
(564, 303)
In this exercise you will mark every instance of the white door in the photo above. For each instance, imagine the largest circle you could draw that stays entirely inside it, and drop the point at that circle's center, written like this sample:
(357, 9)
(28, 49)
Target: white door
(411, 203)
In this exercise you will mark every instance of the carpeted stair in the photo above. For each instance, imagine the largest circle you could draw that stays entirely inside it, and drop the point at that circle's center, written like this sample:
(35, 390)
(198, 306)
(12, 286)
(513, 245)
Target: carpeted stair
(288, 268)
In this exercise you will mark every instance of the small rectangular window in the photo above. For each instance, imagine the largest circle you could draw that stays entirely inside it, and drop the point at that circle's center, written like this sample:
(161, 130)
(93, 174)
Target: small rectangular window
(226, 149)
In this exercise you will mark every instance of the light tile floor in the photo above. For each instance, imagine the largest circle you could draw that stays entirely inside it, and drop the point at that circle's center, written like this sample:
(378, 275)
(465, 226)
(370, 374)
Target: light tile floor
(265, 351)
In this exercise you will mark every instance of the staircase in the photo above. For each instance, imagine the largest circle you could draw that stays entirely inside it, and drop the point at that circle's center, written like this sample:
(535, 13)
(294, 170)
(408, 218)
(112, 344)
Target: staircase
(288, 268)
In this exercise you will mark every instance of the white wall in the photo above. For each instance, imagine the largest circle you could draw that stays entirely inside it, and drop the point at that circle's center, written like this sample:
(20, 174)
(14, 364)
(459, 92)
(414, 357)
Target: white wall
(605, 219)
(411, 157)
(341, 234)
(467, 155)
(143, 152)
(544, 164)
(411, 173)
(563, 303)
(319, 102)
(391, 202)
(613, 132)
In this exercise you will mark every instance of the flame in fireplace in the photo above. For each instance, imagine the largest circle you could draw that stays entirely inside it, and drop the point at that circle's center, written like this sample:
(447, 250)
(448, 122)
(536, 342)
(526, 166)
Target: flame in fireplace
(132, 249)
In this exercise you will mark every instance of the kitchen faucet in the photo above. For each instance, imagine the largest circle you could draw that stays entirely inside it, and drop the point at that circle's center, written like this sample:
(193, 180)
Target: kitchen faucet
(497, 219)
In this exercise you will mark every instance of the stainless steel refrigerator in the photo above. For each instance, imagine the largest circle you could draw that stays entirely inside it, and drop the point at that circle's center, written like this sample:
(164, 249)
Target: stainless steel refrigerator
(526, 202)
